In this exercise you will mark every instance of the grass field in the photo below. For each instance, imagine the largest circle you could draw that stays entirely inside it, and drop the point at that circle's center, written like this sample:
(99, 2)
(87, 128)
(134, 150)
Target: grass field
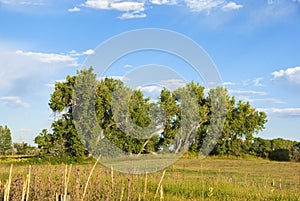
(187, 179)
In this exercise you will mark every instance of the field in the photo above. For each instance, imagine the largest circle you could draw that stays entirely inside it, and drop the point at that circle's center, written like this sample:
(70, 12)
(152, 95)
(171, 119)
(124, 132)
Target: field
(187, 179)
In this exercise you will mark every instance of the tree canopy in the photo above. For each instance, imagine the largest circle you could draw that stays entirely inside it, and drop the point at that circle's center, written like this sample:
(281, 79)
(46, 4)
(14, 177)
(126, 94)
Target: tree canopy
(5, 141)
(91, 112)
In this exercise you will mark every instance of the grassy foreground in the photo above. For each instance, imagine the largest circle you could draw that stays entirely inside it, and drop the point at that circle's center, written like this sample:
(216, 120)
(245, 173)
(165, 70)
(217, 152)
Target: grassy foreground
(187, 179)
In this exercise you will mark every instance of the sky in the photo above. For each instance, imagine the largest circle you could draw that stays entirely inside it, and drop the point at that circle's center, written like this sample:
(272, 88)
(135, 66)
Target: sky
(255, 45)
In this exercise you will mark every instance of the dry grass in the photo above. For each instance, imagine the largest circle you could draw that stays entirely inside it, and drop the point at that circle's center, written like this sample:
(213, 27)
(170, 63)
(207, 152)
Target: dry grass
(187, 179)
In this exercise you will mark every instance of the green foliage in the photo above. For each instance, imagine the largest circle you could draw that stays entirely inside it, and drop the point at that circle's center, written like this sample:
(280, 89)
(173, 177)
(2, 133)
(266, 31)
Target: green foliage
(276, 149)
(5, 141)
(104, 116)
(280, 155)
(24, 149)
(261, 147)
(64, 141)
(241, 123)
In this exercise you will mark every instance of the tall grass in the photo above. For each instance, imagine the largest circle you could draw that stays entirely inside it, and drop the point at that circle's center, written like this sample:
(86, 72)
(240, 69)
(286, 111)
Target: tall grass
(188, 179)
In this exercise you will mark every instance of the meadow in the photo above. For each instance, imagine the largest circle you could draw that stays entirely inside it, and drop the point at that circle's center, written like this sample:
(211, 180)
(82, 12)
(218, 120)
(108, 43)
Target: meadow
(212, 178)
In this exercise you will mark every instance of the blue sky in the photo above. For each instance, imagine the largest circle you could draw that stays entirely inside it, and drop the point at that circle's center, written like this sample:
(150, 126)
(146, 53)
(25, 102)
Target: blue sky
(254, 44)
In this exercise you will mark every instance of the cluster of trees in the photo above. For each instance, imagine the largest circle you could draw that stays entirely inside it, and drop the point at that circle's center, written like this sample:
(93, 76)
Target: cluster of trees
(277, 149)
(5, 141)
(104, 116)
(8, 147)
(23, 148)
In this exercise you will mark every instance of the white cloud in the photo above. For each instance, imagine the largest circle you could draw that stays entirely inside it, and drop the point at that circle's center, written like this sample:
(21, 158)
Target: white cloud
(151, 88)
(49, 85)
(231, 6)
(272, 12)
(88, 52)
(282, 112)
(97, 4)
(132, 15)
(50, 58)
(253, 82)
(14, 102)
(17, 66)
(228, 83)
(115, 5)
(256, 82)
(164, 2)
(17, 2)
(127, 66)
(14, 67)
(203, 5)
(290, 75)
(152, 91)
(260, 100)
(135, 8)
(131, 9)
(52, 85)
(128, 6)
(74, 9)
(248, 93)
(172, 84)
(74, 53)
(267, 100)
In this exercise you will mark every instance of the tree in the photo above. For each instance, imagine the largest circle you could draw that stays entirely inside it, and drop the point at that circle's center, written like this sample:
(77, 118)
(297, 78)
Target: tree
(284, 150)
(237, 121)
(261, 147)
(65, 140)
(127, 121)
(64, 131)
(280, 155)
(107, 118)
(23, 148)
(5, 141)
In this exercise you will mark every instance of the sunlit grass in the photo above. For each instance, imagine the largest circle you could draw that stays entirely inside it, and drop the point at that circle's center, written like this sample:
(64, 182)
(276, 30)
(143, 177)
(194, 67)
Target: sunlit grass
(187, 179)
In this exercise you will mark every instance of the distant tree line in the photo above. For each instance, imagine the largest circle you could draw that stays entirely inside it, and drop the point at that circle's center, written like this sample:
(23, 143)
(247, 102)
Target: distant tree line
(276, 149)
(179, 120)
(8, 147)
(5, 141)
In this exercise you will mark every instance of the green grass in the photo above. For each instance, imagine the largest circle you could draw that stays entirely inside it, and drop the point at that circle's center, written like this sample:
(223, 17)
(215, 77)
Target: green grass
(188, 179)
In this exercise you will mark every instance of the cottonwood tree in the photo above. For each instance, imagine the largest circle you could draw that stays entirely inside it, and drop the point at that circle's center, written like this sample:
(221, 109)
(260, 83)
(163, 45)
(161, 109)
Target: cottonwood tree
(64, 141)
(5, 141)
(241, 123)
(107, 118)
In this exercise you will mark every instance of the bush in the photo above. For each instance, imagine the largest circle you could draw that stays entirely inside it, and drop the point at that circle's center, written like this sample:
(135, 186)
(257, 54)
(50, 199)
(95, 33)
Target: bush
(280, 155)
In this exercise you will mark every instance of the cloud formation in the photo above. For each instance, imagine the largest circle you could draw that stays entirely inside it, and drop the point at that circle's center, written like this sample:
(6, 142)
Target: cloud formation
(136, 8)
(231, 6)
(228, 83)
(164, 2)
(131, 9)
(282, 112)
(74, 9)
(172, 84)
(50, 58)
(13, 102)
(132, 15)
(24, 3)
(289, 76)
(17, 66)
(248, 93)
(252, 96)
(203, 5)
